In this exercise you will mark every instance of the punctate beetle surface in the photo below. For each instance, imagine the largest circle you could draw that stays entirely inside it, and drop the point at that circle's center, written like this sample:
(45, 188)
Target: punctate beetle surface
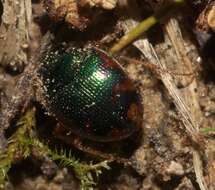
(90, 93)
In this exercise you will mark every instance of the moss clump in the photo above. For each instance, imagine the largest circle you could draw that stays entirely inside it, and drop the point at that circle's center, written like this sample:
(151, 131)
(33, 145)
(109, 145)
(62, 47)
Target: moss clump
(22, 142)
(18, 145)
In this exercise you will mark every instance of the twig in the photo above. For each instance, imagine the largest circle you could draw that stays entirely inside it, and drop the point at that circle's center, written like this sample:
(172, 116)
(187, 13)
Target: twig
(142, 27)
(197, 163)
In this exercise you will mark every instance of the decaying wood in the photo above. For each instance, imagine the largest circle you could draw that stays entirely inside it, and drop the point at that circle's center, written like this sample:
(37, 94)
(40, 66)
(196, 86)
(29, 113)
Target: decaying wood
(211, 17)
(206, 19)
(77, 14)
(106, 4)
(14, 31)
(14, 40)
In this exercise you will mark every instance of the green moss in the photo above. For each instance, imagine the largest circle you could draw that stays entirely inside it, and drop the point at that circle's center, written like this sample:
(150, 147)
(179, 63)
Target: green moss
(17, 145)
(21, 143)
(83, 171)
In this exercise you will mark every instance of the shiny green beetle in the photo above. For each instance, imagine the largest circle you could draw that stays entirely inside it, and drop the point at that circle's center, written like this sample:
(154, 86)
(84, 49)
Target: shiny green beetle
(89, 93)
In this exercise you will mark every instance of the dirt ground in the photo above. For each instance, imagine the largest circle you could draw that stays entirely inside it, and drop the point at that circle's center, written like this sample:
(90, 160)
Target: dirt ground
(174, 77)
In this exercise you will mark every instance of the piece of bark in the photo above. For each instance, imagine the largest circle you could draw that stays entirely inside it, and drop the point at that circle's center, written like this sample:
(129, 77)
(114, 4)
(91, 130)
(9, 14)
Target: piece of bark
(14, 39)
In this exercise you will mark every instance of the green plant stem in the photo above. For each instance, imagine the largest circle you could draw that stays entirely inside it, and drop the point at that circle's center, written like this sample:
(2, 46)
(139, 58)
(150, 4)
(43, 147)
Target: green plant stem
(207, 130)
(144, 26)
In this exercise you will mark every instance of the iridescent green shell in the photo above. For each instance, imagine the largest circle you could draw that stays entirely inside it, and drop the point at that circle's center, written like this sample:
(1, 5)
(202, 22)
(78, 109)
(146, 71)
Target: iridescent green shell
(89, 93)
